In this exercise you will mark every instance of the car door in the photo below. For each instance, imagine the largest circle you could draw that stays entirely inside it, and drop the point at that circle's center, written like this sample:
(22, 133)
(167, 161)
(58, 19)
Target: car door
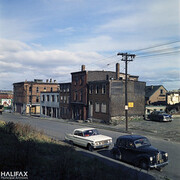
(123, 149)
(77, 137)
(129, 151)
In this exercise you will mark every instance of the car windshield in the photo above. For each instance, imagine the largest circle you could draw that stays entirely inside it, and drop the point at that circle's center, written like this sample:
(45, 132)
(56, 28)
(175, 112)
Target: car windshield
(142, 142)
(91, 132)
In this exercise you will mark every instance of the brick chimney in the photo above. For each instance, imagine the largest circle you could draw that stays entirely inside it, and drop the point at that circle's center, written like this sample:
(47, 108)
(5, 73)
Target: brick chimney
(83, 68)
(117, 70)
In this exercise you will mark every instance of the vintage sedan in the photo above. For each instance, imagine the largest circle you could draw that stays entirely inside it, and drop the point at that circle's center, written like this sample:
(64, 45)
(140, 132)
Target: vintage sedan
(88, 137)
(159, 116)
(138, 151)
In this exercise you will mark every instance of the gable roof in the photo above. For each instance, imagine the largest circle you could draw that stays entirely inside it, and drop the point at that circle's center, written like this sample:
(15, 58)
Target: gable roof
(150, 90)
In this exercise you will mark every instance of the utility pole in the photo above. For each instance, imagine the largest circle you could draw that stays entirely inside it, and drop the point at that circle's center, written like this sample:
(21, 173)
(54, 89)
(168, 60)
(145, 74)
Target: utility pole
(126, 57)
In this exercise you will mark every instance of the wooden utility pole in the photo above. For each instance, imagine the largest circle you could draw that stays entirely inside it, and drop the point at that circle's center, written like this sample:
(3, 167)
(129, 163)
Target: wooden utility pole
(126, 57)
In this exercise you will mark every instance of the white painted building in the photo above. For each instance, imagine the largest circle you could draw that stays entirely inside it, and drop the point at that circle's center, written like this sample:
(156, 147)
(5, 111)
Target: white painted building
(173, 97)
(49, 105)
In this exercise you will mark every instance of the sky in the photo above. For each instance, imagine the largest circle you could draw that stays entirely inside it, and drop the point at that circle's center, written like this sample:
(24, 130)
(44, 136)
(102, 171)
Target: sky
(43, 39)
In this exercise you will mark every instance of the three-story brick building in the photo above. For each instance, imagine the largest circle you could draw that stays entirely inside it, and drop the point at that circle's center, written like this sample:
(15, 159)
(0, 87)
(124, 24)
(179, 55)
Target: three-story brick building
(27, 95)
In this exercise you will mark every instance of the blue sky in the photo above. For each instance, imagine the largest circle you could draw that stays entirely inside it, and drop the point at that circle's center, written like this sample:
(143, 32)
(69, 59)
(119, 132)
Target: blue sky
(52, 38)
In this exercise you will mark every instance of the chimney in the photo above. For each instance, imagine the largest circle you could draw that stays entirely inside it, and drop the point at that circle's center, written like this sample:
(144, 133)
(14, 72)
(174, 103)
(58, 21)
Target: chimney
(83, 68)
(117, 71)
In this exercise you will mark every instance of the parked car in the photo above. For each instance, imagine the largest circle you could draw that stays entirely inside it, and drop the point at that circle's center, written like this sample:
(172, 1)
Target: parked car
(138, 151)
(88, 137)
(159, 116)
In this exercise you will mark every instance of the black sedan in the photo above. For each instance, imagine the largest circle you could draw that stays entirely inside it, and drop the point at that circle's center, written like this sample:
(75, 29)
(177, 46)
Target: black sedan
(159, 116)
(138, 151)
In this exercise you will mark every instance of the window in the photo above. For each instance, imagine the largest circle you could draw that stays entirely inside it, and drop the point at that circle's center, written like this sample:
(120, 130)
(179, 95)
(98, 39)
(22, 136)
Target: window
(78, 133)
(103, 107)
(61, 98)
(96, 107)
(30, 88)
(37, 89)
(67, 89)
(75, 96)
(64, 89)
(120, 142)
(68, 99)
(64, 99)
(81, 96)
(51, 89)
(81, 80)
(161, 91)
(103, 89)
(43, 98)
(90, 89)
(53, 98)
(75, 80)
(37, 99)
(57, 98)
(30, 99)
(47, 97)
(44, 88)
(97, 89)
(61, 88)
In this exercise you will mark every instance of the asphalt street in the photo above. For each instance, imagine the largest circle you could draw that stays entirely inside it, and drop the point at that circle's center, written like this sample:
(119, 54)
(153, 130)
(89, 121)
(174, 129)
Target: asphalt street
(57, 128)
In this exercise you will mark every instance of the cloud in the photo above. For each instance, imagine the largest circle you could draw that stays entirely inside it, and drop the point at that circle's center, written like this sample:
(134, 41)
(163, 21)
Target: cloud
(65, 30)
(20, 61)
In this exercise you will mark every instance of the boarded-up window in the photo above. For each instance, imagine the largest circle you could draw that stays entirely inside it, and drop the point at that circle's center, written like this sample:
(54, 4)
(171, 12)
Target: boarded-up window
(97, 107)
(103, 107)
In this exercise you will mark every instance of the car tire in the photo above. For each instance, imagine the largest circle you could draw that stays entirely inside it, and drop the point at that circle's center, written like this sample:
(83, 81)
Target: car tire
(71, 143)
(143, 164)
(89, 147)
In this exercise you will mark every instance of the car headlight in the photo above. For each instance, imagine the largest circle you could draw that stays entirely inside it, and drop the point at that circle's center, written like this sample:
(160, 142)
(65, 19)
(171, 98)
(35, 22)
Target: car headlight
(96, 143)
(166, 154)
(151, 158)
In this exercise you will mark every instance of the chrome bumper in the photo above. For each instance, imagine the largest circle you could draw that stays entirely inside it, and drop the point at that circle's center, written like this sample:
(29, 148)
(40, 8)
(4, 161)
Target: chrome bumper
(102, 146)
(159, 165)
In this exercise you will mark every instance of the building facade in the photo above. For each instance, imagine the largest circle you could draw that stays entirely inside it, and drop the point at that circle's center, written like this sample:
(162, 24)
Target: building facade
(79, 103)
(65, 101)
(50, 104)
(6, 99)
(101, 95)
(27, 95)
(155, 95)
(173, 97)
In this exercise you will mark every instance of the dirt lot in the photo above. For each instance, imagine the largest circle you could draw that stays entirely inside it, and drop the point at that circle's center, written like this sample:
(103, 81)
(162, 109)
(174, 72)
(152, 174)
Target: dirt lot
(167, 130)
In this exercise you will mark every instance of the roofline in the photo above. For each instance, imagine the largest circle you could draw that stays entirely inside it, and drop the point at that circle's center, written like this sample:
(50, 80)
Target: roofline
(29, 82)
(157, 89)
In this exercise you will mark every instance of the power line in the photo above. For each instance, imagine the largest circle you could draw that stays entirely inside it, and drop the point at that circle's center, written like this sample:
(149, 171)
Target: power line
(160, 54)
(160, 50)
(151, 47)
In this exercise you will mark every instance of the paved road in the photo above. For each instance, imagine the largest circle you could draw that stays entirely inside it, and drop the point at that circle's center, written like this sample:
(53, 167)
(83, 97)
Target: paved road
(57, 128)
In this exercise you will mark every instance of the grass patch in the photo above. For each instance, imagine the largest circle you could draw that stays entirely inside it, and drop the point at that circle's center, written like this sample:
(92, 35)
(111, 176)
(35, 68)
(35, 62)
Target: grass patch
(22, 148)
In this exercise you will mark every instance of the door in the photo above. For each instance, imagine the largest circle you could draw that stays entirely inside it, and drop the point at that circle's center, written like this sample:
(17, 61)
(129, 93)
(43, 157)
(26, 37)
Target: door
(90, 114)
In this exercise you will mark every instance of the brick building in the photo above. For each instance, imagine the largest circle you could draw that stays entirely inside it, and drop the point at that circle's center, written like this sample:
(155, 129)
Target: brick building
(100, 94)
(79, 102)
(27, 95)
(65, 101)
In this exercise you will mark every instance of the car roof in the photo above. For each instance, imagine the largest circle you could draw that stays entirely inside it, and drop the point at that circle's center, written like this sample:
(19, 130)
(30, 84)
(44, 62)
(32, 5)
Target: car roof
(84, 129)
(132, 137)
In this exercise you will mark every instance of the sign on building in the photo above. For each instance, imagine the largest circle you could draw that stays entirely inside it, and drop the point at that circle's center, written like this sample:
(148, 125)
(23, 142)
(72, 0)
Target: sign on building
(6, 102)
